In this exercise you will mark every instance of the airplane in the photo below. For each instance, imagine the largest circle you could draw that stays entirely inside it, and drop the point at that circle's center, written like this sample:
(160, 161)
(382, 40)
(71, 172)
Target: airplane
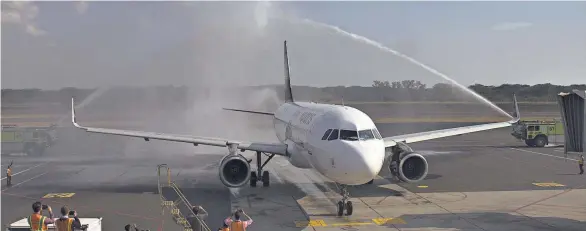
(341, 143)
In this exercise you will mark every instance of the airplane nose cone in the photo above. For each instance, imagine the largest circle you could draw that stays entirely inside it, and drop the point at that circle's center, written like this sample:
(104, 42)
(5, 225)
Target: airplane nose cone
(363, 164)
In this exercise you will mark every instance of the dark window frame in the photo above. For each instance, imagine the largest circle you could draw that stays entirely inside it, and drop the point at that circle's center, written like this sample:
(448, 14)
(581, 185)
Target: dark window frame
(326, 134)
(337, 134)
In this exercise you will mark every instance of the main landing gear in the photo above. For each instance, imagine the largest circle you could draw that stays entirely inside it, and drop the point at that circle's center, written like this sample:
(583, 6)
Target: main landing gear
(345, 203)
(259, 172)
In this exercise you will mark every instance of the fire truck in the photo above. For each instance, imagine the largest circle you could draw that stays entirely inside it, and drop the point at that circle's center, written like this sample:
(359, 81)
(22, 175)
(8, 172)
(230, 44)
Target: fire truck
(539, 133)
(29, 140)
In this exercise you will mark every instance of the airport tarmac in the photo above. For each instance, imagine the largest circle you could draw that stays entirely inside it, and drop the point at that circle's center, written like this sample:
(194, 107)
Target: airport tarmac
(482, 181)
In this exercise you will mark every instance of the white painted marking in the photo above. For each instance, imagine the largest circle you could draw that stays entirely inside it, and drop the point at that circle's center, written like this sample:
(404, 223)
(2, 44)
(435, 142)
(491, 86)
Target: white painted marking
(235, 192)
(429, 153)
(506, 157)
(27, 169)
(18, 154)
(32, 178)
(543, 154)
(276, 175)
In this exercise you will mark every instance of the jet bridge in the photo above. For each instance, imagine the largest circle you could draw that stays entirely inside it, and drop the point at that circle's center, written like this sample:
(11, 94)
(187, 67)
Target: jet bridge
(573, 111)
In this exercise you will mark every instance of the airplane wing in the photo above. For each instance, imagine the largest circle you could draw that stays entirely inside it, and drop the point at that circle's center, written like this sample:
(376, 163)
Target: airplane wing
(274, 148)
(430, 135)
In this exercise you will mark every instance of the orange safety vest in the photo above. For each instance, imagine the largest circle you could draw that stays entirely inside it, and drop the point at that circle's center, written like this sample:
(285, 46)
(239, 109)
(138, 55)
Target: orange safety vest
(237, 226)
(64, 224)
(37, 222)
(225, 229)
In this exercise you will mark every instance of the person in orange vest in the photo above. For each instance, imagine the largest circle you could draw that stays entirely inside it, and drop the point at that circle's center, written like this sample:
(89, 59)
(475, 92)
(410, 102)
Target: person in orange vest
(237, 224)
(224, 227)
(65, 222)
(9, 175)
(581, 164)
(37, 221)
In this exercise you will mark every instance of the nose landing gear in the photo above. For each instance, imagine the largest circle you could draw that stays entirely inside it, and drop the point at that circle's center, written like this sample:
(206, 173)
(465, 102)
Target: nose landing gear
(345, 203)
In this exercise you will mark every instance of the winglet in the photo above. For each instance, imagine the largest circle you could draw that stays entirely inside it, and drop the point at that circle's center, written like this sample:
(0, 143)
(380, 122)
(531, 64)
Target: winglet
(73, 119)
(516, 114)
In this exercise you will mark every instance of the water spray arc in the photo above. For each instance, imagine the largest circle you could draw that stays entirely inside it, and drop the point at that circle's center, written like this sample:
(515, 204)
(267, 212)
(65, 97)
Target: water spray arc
(401, 55)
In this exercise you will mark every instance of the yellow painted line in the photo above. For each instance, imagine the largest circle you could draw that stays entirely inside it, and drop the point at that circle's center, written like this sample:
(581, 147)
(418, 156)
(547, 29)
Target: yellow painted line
(422, 186)
(310, 223)
(59, 195)
(383, 221)
(375, 221)
(548, 184)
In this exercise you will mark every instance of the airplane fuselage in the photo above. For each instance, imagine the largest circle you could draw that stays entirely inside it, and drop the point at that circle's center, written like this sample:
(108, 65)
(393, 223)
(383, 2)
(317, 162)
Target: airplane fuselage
(342, 143)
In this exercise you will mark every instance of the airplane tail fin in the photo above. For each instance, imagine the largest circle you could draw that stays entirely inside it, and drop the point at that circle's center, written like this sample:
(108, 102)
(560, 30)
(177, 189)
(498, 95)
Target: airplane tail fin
(516, 114)
(288, 91)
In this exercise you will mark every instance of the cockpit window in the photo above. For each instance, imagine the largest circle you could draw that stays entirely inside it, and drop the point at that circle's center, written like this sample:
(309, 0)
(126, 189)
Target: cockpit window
(333, 135)
(366, 134)
(377, 134)
(326, 134)
(348, 135)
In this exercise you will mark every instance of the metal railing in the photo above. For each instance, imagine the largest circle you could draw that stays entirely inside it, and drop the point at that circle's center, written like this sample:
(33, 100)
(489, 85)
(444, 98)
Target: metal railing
(182, 200)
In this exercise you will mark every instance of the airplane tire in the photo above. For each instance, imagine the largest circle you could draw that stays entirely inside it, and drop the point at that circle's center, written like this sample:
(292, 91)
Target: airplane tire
(253, 179)
(349, 208)
(371, 181)
(265, 179)
(340, 208)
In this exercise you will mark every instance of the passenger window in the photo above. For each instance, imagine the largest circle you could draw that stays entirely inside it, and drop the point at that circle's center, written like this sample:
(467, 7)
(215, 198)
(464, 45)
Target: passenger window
(531, 128)
(334, 135)
(536, 128)
(326, 134)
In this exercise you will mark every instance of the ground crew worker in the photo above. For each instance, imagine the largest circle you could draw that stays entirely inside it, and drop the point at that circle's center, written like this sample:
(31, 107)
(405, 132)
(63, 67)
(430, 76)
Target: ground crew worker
(581, 164)
(65, 222)
(9, 175)
(37, 221)
(194, 222)
(237, 224)
(224, 227)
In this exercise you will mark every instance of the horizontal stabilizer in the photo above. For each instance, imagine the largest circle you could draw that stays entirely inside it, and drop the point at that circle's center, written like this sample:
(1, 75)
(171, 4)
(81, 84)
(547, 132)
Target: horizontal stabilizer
(248, 111)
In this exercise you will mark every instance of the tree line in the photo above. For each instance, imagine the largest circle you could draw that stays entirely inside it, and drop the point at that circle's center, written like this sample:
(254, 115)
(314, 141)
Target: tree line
(406, 90)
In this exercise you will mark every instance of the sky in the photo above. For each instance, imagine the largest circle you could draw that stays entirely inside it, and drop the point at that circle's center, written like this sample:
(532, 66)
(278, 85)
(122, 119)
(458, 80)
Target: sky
(51, 45)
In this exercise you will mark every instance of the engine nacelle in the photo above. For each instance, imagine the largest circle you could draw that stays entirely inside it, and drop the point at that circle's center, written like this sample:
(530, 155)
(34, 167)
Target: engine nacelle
(412, 168)
(234, 171)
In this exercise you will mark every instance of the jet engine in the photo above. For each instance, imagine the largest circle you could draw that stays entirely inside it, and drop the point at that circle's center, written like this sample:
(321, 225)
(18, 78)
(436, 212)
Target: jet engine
(412, 168)
(234, 171)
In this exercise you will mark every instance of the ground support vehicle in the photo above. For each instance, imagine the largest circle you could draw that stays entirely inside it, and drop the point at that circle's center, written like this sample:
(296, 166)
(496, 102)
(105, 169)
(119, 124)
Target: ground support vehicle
(537, 133)
(30, 140)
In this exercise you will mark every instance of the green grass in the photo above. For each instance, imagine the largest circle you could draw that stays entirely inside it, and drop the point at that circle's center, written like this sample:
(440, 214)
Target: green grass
(431, 102)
